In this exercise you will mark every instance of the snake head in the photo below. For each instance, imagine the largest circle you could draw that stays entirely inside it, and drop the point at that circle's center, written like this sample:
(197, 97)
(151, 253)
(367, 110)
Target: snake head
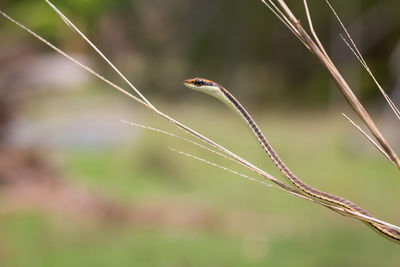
(202, 85)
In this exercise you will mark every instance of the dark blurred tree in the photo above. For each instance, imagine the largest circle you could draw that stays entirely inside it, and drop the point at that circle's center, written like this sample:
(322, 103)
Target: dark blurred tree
(238, 43)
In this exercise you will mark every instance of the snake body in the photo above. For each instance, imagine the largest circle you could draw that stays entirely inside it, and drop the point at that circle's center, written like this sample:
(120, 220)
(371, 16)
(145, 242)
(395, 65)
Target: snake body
(222, 94)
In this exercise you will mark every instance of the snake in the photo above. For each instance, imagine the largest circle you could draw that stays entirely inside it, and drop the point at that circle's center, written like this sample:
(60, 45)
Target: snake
(223, 95)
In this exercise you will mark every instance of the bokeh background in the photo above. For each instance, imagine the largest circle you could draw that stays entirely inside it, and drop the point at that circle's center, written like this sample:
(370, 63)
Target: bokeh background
(80, 188)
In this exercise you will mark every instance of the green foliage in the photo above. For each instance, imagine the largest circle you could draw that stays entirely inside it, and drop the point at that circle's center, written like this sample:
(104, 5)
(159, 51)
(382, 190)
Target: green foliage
(248, 224)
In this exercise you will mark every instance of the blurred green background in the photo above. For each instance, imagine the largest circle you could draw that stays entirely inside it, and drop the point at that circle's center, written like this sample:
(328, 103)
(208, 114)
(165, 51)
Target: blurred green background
(80, 188)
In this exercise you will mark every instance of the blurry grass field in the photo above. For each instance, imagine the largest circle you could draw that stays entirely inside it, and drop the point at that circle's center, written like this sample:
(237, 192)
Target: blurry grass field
(247, 224)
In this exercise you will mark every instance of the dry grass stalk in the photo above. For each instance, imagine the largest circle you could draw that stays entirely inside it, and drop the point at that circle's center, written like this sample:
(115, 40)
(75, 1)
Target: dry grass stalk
(285, 14)
(360, 58)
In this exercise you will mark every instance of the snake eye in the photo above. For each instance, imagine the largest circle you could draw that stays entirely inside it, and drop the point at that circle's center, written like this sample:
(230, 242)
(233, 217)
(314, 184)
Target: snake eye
(198, 82)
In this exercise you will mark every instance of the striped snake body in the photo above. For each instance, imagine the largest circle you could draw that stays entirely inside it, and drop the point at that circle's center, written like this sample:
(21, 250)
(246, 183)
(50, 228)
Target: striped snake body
(216, 90)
